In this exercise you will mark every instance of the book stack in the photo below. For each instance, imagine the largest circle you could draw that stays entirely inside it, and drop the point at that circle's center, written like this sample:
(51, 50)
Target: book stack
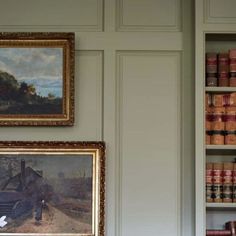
(232, 67)
(227, 182)
(221, 69)
(230, 230)
(220, 119)
(209, 182)
(221, 182)
(231, 225)
(217, 182)
(234, 183)
(214, 232)
(211, 69)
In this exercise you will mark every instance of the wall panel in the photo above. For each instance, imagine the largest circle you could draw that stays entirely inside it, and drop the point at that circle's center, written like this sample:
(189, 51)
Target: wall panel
(76, 15)
(123, 82)
(148, 15)
(215, 13)
(89, 68)
(148, 86)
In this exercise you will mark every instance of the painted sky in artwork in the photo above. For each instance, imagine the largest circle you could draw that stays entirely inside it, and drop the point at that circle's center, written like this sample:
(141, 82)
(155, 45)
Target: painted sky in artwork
(71, 165)
(42, 67)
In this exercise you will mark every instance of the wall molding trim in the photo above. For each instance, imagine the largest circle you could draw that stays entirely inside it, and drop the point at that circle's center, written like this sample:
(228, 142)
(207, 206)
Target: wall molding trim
(99, 55)
(120, 55)
(122, 26)
(79, 25)
(211, 17)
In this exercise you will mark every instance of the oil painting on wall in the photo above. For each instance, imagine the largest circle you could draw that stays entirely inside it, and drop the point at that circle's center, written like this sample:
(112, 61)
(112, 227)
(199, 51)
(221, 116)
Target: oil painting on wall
(36, 78)
(31, 80)
(51, 193)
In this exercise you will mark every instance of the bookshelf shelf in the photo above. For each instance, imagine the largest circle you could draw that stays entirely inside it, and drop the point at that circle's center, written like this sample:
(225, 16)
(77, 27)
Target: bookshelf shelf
(221, 147)
(221, 205)
(220, 89)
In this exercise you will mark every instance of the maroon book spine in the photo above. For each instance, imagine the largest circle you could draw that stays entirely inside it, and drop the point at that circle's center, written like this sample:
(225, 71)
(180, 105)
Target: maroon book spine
(209, 183)
(223, 69)
(215, 232)
(231, 225)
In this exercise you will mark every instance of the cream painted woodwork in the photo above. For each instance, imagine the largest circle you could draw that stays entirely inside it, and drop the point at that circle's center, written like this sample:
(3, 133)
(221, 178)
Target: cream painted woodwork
(137, 109)
(215, 13)
(133, 87)
(72, 15)
(148, 15)
(215, 32)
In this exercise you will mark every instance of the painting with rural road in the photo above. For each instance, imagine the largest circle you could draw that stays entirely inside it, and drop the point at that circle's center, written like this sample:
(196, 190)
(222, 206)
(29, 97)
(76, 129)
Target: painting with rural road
(46, 194)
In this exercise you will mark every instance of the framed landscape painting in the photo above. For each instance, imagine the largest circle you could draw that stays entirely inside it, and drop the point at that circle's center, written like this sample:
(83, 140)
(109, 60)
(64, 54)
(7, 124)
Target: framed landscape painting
(36, 79)
(52, 188)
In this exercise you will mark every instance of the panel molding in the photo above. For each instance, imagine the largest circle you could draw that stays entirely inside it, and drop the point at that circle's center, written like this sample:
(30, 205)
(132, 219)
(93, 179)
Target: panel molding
(121, 26)
(99, 89)
(71, 27)
(214, 19)
(159, 41)
(120, 55)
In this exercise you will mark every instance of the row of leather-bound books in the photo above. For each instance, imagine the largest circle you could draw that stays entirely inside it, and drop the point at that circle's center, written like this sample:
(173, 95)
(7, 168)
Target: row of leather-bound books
(221, 69)
(220, 120)
(229, 229)
(221, 182)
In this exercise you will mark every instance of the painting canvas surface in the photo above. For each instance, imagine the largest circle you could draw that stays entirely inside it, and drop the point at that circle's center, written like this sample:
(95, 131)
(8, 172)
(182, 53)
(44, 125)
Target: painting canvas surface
(46, 193)
(31, 80)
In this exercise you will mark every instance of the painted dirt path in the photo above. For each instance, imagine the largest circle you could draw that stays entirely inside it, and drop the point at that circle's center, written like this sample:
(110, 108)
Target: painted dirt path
(54, 221)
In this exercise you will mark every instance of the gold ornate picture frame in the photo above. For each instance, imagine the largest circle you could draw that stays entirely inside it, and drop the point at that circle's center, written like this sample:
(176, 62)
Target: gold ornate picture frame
(36, 79)
(52, 188)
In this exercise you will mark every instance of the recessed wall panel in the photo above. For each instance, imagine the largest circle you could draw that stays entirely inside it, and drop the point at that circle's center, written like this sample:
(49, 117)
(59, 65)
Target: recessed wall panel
(89, 95)
(215, 13)
(148, 15)
(149, 142)
(56, 14)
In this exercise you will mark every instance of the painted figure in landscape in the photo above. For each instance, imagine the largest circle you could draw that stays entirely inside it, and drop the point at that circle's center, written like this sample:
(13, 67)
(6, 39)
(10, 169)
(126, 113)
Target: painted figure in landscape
(48, 194)
(31, 81)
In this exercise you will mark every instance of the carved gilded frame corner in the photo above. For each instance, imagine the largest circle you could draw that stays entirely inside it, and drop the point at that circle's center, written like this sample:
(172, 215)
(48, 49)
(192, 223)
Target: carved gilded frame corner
(88, 166)
(36, 79)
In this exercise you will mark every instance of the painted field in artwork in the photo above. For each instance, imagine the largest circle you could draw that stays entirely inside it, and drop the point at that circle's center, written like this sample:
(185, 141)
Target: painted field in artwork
(46, 194)
(31, 80)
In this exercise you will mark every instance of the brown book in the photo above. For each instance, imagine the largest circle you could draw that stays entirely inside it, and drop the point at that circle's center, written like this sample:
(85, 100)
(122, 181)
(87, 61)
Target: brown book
(211, 63)
(234, 183)
(215, 232)
(209, 184)
(231, 225)
(223, 63)
(217, 181)
(232, 61)
(227, 181)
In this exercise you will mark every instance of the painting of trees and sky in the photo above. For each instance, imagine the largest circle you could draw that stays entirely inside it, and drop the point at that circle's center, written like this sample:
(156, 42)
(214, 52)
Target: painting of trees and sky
(31, 80)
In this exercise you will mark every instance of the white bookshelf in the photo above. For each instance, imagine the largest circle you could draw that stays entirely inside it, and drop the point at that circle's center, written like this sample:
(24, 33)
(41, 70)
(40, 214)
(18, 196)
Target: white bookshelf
(210, 36)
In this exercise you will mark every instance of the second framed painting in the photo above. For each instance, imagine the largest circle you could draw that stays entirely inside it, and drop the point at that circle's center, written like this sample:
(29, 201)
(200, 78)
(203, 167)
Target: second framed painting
(52, 188)
(36, 79)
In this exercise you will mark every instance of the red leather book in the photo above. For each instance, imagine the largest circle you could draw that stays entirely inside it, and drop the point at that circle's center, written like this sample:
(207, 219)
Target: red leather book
(231, 225)
(214, 232)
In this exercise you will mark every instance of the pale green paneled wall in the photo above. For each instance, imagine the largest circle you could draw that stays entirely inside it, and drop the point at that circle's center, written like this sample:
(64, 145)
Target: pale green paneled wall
(134, 90)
